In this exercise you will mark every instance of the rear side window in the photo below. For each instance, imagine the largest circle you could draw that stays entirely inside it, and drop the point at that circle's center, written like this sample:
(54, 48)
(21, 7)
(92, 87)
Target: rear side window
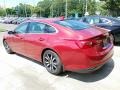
(49, 29)
(36, 27)
(73, 24)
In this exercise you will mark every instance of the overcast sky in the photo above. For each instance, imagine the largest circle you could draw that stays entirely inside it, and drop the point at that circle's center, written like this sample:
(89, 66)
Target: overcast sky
(12, 3)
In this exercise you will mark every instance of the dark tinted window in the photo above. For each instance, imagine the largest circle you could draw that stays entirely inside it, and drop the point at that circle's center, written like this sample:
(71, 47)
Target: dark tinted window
(49, 29)
(96, 20)
(73, 24)
(22, 28)
(104, 20)
(91, 20)
(36, 27)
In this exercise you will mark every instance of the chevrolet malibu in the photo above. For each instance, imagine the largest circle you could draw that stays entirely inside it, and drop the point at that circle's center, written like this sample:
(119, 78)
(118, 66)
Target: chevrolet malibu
(61, 45)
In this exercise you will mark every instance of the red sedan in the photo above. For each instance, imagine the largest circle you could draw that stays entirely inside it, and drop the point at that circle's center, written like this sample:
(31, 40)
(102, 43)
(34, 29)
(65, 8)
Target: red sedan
(61, 44)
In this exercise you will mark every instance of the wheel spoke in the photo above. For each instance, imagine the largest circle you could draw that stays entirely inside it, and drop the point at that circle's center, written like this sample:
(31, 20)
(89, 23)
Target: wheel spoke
(51, 67)
(48, 65)
(54, 67)
(53, 59)
(51, 56)
(55, 63)
(46, 62)
(46, 58)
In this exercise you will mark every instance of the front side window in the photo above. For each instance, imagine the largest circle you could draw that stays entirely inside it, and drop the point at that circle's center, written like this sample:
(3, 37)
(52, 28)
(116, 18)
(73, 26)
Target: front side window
(22, 28)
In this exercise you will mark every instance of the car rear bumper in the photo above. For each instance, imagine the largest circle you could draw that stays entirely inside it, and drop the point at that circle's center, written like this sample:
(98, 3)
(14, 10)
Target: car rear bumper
(84, 63)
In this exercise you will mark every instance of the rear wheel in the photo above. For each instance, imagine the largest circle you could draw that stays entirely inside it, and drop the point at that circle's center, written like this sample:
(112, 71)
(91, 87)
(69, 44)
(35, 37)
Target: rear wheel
(52, 62)
(7, 47)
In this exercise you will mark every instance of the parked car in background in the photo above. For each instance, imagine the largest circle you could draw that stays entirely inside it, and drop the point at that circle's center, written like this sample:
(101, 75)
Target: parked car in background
(2, 19)
(16, 20)
(22, 20)
(12, 22)
(61, 44)
(5, 19)
(109, 23)
(11, 19)
(118, 18)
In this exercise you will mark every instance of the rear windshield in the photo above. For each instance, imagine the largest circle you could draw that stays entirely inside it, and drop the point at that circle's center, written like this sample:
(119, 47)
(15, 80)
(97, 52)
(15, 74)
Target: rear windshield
(73, 24)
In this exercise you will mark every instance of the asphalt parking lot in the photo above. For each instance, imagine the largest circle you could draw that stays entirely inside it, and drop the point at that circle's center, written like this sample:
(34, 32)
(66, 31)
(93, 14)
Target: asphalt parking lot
(20, 73)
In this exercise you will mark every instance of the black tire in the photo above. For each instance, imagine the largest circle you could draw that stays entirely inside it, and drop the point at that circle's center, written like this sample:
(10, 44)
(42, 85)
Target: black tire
(52, 62)
(7, 47)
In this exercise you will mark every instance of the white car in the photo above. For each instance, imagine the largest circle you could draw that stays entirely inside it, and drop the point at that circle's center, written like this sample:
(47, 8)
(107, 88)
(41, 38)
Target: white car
(2, 20)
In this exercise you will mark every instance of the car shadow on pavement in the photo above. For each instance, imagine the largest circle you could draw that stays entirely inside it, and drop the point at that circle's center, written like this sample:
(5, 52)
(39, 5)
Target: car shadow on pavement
(94, 76)
(32, 60)
(86, 77)
(117, 44)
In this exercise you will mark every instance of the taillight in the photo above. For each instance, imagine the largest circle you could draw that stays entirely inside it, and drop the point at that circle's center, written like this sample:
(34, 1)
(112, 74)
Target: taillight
(85, 44)
(98, 42)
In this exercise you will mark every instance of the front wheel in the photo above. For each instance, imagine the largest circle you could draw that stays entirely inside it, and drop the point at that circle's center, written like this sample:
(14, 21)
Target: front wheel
(52, 62)
(7, 47)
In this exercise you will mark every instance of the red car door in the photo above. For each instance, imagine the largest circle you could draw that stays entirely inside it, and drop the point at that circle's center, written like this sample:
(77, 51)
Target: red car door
(17, 39)
(36, 40)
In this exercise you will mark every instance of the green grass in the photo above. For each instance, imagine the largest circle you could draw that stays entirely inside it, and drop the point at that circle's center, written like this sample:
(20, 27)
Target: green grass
(2, 30)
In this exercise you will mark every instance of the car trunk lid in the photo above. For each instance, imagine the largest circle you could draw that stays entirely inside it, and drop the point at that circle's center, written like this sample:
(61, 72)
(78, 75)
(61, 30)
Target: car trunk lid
(90, 33)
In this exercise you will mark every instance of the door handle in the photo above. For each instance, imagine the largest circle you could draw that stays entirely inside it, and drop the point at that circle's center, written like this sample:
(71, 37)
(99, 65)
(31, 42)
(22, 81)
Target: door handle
(21, 38)
(41, 39)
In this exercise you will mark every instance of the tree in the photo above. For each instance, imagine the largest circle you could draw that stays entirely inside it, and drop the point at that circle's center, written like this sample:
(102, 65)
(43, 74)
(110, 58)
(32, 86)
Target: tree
(2, 12)
(10, 11)
(55, 8)
(44, 7)
(113, 6)
(23, 10)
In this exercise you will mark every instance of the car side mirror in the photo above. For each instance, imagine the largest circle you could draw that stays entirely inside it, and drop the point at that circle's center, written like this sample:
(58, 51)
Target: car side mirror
(11, 32)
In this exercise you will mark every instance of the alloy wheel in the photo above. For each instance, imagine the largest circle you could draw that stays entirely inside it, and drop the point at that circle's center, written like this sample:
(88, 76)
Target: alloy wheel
(52, 62)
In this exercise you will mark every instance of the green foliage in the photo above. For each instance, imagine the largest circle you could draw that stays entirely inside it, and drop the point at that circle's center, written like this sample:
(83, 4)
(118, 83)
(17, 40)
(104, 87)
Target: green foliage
(1, 29)
(113, 6)
(10, 11)
(24, 10)
(55, 8)
(44, 8)
(2, 12)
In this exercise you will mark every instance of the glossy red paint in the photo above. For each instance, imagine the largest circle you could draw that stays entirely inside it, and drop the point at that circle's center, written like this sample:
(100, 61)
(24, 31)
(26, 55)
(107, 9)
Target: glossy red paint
(78, 50)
